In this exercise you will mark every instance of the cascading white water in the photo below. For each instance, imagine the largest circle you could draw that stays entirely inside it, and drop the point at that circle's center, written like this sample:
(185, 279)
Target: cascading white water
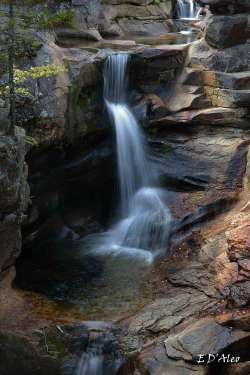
(90, 364)
(98, 359)
(145, 219)
(188, 9)
(132, 166)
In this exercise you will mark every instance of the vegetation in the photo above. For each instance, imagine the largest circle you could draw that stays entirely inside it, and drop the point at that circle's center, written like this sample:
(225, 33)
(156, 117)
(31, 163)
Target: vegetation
(21, 76)
(18, 46)
(49, 21)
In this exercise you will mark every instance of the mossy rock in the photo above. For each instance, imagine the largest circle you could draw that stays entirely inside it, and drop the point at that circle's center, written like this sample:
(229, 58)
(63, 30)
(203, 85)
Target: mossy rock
(19, 357)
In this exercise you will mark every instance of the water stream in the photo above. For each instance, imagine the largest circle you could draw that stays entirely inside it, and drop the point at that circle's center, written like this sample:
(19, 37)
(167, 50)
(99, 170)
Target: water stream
(143, 228)
(145, 219)
(188, 9)
(100, 358)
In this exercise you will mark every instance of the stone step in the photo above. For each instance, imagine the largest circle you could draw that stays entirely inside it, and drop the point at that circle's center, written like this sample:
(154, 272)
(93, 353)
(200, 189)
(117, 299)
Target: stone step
(187, 96)
(230, 81)
(228, 98)
(207, 116)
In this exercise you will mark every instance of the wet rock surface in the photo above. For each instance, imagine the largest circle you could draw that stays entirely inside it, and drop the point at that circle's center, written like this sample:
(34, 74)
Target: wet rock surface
(18, 357)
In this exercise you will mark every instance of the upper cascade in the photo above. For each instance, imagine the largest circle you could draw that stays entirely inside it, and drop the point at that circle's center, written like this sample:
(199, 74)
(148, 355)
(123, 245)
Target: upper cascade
(188, 9)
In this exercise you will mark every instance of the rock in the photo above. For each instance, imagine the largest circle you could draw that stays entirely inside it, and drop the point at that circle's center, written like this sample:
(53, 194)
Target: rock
(194, 275)
(118, 43)
(154, 361)
(232, 81)
(89, 34)
(143, 28)
(166, 313)
(82, 221)
(232, 59)
(51, 184)
(186, 97)
(18, 356)
(237, 319)
(205, 336)
(228, 98)
(182, 168)
(153, 64)
(216, 115)
(238, 240)
(65, 106)
(134, 18)
(233, 267)
(165, 324)
(227, 31)
(240, 294)
(227, 273)
(239, 368)
(227, 6)
(14, 197)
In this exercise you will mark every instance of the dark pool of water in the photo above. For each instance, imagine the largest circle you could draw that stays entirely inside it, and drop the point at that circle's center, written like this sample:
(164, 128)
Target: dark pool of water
(66, 281)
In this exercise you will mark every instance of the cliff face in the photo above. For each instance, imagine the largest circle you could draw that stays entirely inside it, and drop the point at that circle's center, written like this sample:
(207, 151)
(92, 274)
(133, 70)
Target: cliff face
(123, 17)
(14, 198)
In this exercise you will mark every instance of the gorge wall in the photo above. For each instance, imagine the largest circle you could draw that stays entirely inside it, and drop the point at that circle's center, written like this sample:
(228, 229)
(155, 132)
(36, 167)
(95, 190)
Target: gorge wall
(14, 200)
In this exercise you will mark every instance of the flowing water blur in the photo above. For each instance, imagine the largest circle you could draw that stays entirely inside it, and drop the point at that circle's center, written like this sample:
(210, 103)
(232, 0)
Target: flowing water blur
(144, 226)
(188, 9)
(102, 357)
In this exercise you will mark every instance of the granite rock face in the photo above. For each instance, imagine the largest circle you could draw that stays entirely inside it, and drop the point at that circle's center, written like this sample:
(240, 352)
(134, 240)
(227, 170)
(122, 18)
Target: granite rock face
(227, 31)
(14, 198)
(228, 7)
(214, 83)
(118, 18)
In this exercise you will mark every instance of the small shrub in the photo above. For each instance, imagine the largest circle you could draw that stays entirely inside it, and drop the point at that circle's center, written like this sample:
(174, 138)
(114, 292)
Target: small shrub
(50, 21)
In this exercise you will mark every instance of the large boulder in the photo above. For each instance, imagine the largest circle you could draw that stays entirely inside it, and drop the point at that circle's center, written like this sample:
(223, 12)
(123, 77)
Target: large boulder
(232, 59)
(19, 357)
(227, 31)
(227, 6)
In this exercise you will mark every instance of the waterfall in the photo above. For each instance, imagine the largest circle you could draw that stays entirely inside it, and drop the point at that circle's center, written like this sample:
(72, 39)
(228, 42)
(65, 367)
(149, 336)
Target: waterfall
(145, 218)
(188, 9)
(100, 358)
(132, 166)
(90, 364)
(133, 170)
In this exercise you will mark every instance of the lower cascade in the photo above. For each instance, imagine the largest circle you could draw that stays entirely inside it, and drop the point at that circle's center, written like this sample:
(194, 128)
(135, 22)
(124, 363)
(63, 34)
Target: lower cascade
(143, 229)
(100, 358)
